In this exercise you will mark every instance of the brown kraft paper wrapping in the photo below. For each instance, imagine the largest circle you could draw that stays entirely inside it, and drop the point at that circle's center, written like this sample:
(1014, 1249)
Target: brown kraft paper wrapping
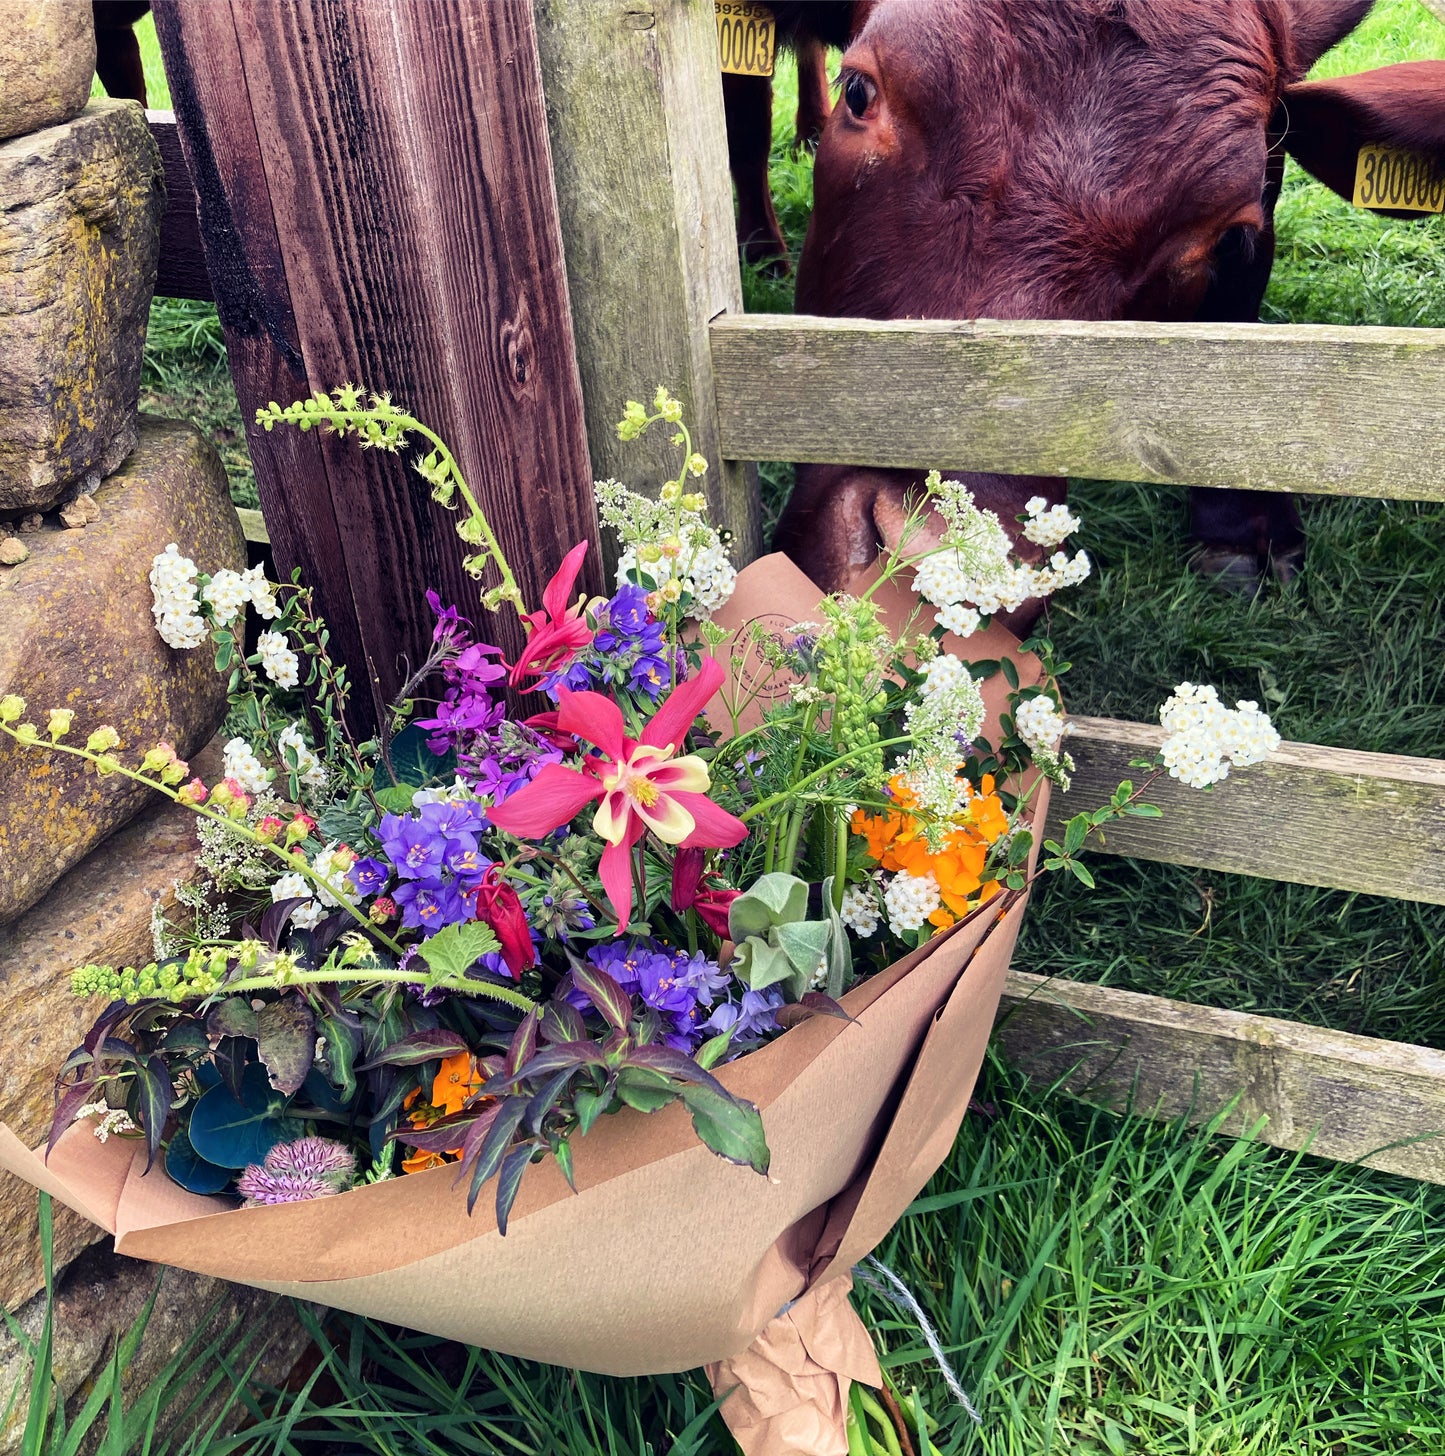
(666, 1258)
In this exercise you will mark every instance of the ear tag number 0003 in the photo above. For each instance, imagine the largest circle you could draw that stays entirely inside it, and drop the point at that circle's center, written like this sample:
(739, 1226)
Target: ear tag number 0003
(746, 33)
(1395, 180)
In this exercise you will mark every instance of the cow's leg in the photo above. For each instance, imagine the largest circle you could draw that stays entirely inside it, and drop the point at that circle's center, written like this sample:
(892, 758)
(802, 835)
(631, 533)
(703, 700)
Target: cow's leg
(814, 102)
(748, 107)
(1243, 534)
(839, 517)
(117, 51)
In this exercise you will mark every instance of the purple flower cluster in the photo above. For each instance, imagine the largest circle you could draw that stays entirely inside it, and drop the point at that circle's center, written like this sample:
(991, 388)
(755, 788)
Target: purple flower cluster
(499, 762)
(629, 651)
(435, 855)
(310, 1167)
(691, 991)
(467, 707)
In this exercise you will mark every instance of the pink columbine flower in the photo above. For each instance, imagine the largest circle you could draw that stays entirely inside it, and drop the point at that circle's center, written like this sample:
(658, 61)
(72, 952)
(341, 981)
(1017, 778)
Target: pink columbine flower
(640, 782)
(269, 829)
(557, 633)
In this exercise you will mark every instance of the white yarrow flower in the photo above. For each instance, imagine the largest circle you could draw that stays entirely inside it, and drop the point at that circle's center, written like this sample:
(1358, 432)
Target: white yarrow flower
(282, 665)
(112, 1119)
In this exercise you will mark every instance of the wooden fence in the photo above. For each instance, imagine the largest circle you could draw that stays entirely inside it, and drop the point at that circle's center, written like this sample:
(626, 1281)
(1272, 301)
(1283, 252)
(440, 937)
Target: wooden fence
(361, 208)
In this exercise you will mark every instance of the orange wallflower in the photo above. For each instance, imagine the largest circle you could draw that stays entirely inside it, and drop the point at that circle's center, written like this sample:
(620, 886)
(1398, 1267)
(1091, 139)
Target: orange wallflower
(457, 1080)
(896, 840)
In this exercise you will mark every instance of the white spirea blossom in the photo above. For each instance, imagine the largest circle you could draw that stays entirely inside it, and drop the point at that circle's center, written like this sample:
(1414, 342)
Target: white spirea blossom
(260, 593)
(331, 864)
(173, 599)
(910, 900)
(1049, 526)
(860, 911)
(309, 768)
(282, 665)
(945, 717)
(960, 620)
(1205, 737)
(1040, 724)
(241, 764)
(946, 674)
(292, 886)
(226, 594)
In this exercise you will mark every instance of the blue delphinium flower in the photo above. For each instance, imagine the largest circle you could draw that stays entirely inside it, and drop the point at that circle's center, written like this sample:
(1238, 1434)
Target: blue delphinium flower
(629, 650)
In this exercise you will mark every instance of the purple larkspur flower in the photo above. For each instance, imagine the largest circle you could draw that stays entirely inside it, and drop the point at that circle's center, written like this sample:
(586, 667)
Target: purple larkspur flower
(259, 1186)
(369, 875)
(414, 847)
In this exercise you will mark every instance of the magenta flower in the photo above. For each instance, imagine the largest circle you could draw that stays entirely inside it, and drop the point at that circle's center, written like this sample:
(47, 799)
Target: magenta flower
(555, 634)
(642, 784)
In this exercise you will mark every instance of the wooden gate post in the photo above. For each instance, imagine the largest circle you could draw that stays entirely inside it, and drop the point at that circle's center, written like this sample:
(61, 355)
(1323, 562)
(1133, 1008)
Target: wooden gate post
(377, 206)
(634, 102)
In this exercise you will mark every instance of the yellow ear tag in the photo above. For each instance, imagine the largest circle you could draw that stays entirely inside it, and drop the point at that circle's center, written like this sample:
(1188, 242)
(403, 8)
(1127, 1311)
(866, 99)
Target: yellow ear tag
(746, 36)
(1392, 179)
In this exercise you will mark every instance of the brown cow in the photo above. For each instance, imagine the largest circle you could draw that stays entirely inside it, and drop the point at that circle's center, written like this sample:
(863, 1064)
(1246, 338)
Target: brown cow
(1079, 159)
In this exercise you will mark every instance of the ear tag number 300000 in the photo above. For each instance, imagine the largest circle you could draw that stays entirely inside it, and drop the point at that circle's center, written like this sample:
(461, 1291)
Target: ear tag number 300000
(1395, 180)
(746, 33)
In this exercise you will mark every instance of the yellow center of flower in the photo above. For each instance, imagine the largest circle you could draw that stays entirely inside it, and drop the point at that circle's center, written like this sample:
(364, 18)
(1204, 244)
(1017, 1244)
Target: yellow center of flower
(643, 791)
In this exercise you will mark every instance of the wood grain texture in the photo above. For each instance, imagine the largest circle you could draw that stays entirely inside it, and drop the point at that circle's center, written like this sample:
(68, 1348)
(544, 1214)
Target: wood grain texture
(634, 104)
(377, 206)
(1338, 411)
(1435, 7)
(1372, 822)
(182, 268)
(1343, 1096)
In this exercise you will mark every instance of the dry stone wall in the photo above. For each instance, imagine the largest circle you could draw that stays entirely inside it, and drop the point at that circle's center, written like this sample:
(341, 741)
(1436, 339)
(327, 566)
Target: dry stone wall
(89, 493)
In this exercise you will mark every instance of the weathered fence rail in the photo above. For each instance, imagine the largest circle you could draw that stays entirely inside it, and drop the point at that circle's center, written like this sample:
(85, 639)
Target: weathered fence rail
(1309, 407)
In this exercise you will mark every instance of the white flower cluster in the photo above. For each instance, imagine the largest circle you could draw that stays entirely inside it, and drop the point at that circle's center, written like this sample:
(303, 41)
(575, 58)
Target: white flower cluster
(668, 544)
(309, 768)
(173, 599)
(240, 763)
(228, 593)
(1049, 526)
(457, 792)
(1206, 738)
(945, 717)
(860, 910)
(112, 1119)
(331, 864)
(910, 900)
(282, 665)
(1040, 724)
(975, 569)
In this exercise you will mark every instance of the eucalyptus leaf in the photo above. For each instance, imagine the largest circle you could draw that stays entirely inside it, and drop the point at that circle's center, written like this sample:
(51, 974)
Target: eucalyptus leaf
(188, 1168)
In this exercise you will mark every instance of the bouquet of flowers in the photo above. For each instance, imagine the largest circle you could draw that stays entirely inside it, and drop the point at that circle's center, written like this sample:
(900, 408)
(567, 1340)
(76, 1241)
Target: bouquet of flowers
(717, 866)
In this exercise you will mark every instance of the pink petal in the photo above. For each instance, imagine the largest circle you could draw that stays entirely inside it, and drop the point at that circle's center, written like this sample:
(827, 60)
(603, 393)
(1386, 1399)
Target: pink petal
(558, 593)
(593, 717)
(672, 720)
(555, 797)
(615, 870)
(716, 828)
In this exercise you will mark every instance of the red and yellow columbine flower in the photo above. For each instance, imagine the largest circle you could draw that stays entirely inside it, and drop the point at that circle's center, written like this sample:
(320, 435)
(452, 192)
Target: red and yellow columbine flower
(557, 633)
(641, 782)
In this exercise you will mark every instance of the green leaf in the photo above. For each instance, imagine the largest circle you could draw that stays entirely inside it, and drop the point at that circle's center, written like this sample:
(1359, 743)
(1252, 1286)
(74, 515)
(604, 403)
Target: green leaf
(732, 1128)
(1015, 881)
(286, 1042)
(711, 1052)
(1019, 847)
(774, 900)
(396, 798)
(233, 1017)
(414, 763)
(590, 1106)
(454, 949)
(804, 944)
(1076, 831)
(1010, 672)
(761, 965)
(1081, 873)
(1144, 811)
(233, 1134)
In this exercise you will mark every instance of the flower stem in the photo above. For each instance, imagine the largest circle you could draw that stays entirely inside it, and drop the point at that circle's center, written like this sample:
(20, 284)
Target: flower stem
(464, 985)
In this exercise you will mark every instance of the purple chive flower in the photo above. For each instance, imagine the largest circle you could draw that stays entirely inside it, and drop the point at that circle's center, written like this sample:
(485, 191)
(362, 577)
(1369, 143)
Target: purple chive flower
(259, 1186)
(369, 875)
(313, 1157)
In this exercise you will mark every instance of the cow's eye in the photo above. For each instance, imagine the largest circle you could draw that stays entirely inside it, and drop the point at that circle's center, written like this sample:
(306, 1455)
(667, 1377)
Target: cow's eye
(858, 93)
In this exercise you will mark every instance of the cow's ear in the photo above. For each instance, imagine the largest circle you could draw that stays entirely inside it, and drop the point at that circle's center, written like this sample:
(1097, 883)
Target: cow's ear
(1327, 122)
(1311, 27)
